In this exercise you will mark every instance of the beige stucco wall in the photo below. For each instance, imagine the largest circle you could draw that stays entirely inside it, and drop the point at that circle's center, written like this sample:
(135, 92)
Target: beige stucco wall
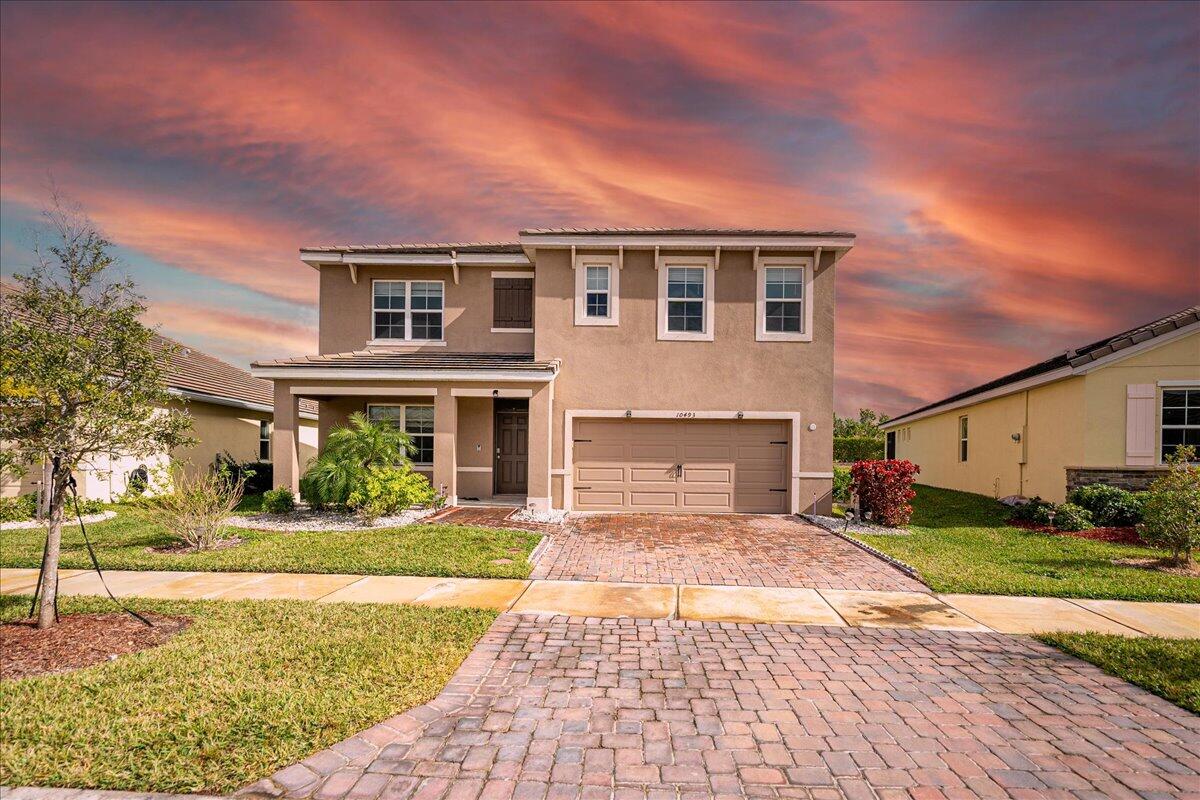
(1104, 441)
(627, 367)
(346, 318)
(1077, 421)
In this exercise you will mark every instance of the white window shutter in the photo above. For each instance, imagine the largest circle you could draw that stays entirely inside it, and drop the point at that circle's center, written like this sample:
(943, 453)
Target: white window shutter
(1140, 439)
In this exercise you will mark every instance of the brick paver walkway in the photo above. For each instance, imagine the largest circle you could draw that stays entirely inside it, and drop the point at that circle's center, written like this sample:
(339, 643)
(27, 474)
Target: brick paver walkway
(724, 549)
(572, 708)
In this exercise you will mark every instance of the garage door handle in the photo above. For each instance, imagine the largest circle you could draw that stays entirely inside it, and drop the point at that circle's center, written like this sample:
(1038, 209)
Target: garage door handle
(783, 442)
(577, 441)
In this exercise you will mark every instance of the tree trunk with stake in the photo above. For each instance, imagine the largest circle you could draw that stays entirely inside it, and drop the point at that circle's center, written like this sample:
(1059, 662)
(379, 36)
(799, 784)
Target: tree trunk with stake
(48, 591)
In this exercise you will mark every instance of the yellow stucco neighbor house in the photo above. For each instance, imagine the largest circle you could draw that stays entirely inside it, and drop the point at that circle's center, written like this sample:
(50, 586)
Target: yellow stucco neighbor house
(1108, 412)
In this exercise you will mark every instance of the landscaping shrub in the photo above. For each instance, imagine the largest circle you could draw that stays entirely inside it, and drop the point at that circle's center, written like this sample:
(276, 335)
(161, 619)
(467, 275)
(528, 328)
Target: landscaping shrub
(196, 508)
(847, 449)
(349, 453)
(1171, 511)
(1070, 517)
(278, 501)
(885, 489)
(256, 476)
(383, 491)
(1109, 505)
(18, 509)
(1036, 511)
(841, 484)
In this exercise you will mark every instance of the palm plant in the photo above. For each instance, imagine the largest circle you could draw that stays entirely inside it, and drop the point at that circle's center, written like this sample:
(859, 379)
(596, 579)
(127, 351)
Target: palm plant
(349, 453)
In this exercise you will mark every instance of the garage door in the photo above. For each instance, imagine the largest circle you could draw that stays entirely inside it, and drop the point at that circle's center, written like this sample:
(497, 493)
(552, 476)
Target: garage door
(680, 465)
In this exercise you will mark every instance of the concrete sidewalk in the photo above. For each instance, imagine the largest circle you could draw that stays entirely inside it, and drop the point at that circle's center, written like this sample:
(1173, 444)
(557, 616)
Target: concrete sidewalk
(737, 604)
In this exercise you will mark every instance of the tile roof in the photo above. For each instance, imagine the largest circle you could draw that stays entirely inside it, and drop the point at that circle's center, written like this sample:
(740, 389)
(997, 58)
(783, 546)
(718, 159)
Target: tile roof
(684, 232)
(1077, 357)
(379, 359)
(429, 247)
(196, 372)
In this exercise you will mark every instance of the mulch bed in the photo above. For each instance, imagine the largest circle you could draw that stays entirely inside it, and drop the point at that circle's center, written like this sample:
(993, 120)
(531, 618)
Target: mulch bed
(1127, 535)
(1160, 565)
(79, 640)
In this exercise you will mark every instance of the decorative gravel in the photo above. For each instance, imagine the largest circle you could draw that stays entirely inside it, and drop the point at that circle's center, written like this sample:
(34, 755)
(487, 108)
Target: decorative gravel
(838, 525)
(551, 516)
(308, 520)
(88, 519)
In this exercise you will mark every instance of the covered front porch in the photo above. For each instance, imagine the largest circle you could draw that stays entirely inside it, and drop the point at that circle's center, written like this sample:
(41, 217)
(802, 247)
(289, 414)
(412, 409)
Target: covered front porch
(480, 423)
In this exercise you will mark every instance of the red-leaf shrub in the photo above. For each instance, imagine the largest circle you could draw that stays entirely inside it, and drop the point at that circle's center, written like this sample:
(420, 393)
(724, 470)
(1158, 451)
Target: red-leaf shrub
(885, 488)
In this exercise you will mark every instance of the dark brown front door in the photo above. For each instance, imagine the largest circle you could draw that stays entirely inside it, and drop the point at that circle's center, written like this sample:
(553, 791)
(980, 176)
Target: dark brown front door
(512, 450)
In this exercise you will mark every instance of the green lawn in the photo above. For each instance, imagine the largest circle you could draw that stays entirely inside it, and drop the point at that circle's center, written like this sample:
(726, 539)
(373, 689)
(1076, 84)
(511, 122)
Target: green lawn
(1168, 667)
(960, 543)
(434, 550)
(248, 688)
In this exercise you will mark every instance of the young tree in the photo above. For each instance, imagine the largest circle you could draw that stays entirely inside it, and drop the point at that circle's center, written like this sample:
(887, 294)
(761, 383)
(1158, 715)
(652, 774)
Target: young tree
(78, 374)
(1171, 511)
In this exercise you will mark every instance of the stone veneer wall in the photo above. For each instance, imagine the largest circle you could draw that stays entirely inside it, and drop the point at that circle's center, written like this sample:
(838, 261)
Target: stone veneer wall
(1134, 479)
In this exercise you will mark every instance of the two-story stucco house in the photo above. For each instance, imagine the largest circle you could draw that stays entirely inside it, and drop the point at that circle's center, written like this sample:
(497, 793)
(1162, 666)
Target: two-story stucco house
(588, 370)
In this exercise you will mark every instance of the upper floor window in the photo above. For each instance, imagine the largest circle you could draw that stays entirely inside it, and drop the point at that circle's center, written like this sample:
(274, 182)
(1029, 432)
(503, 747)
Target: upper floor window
(264, 440)
(416, 421)
(962, 438)
(512, 302)
(685, 297)
(783, 307)
(1180, 419)
(407, 310)
(597, 279)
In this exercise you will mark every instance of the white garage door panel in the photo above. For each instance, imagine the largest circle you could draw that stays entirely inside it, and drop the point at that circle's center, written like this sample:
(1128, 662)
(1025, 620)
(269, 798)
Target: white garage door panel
(627, 464)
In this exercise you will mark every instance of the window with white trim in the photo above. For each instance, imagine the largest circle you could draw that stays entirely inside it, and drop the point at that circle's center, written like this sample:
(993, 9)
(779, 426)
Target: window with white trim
(783, 308)
(1180, 420)
(416, 421)
(597, 285)
(264, 440)
(407, 310)
(962, 439)
(685, 298)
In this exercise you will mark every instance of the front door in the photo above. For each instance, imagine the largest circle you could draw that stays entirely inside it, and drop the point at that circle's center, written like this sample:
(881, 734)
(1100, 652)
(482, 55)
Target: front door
(512, 449)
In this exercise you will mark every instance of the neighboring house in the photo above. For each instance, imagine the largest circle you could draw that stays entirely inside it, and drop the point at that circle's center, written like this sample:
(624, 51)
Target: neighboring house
(231, 413)
(600, 370)
(1108, 412)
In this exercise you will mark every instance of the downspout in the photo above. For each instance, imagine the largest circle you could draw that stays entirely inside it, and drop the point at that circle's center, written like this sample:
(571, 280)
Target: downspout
(1024, 447)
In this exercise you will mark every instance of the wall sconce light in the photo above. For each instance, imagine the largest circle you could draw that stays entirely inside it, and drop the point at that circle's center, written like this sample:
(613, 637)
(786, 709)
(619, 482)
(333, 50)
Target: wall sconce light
(495, 392)
(740, 414)
(628, 413)
(1016, 437)
(812, 426)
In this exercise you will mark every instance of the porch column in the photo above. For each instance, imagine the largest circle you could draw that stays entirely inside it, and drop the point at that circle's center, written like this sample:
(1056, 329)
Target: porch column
(445, 444)
(285, 439)
(538, 492)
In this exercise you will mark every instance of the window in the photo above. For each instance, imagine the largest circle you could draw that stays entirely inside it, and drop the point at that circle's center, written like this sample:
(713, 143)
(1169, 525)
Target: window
(407, 310)
(685, 298)
(890, 447)
(597, 281)
(596, 299)
(962, 439)
(783, 308)
(512, 302)
(1180, 419)
(264, 440)
(416, 421)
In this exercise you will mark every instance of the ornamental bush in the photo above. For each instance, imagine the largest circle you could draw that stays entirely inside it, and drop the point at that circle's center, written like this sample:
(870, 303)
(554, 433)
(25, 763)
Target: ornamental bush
(18, 509)
(1171, 511)
(884, 487)
(278, 501)
(848, 449)
(383, 491)
(1070, 517)
(841, 484)
(1109, 505)
(1036, 511)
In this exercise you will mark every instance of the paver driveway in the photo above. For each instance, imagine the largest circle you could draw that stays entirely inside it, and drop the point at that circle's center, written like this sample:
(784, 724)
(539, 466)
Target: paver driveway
(584, 708)
(722, 549)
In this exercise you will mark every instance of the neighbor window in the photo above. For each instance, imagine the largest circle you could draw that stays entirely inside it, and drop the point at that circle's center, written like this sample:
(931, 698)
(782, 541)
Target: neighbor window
(1180, 419)
(962, 438)
(407, 310)
(890, 446)
(416, 421)
(264, 440)
(512, 302)
(597, 281)
(783, 308)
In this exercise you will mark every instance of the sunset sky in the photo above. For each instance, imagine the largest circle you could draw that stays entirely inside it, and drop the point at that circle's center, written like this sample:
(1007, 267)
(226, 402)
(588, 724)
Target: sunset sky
(1022, 178)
